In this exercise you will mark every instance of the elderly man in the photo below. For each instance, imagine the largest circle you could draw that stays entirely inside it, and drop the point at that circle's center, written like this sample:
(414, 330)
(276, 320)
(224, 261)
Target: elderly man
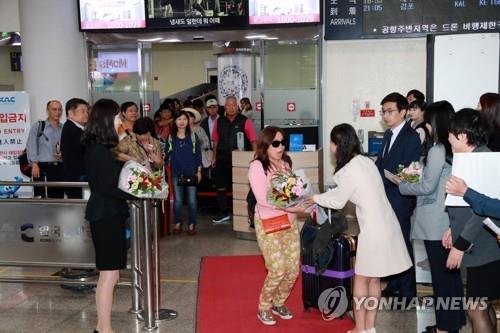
(225, 134)
(43, 150)
(77, 114)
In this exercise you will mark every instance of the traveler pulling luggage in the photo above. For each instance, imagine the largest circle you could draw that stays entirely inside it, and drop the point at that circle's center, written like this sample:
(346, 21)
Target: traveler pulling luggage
(327, 262)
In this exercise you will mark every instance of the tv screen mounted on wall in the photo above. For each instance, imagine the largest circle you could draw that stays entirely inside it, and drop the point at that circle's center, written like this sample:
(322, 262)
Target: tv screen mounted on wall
(112, 14)
(284, 11)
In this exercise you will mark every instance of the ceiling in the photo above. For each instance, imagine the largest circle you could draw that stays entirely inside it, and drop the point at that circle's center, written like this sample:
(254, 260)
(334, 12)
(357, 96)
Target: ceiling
(185, 36)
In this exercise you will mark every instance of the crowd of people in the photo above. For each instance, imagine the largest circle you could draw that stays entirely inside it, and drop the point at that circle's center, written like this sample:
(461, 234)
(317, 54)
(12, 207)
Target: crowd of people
(196, 141)
(392, 213)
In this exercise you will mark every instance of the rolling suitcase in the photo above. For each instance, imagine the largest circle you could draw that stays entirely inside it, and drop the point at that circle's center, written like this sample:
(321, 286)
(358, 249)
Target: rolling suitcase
(335, 267)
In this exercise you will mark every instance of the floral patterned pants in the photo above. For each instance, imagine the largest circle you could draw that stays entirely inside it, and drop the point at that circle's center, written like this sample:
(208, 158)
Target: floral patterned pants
(281, 251)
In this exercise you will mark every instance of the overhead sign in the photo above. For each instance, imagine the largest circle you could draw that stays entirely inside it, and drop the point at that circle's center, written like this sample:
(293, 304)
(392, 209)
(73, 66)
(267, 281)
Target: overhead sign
(117, 62)
(354, 19)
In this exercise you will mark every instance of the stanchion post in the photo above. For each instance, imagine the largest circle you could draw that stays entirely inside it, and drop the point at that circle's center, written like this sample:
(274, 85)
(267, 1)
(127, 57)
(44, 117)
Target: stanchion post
(135, 258)
(147, 269)
(161, 314)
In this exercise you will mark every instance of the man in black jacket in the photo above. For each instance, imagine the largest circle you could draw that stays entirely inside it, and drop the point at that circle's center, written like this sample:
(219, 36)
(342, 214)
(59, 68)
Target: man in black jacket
(77, 114)
(225, 133)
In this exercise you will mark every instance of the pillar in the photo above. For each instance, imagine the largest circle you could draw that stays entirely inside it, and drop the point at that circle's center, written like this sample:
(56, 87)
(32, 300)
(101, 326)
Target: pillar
(54, 53)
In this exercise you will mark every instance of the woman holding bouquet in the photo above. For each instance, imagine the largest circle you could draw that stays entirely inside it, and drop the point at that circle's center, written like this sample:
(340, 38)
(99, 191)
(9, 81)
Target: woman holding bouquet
(183, 152)
(141, 145)
(381, 248)
(431, 219)
(281, 249)
(107, 208)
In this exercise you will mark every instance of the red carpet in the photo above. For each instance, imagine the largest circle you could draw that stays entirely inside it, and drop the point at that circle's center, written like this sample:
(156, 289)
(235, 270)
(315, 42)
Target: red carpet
(228, 296)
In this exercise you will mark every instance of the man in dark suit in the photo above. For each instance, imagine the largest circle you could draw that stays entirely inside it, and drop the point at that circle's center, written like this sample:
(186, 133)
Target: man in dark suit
(77, 114)
(401, 146)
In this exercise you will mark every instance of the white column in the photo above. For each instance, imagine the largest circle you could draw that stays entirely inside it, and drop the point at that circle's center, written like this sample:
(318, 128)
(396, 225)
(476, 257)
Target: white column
(54, 53)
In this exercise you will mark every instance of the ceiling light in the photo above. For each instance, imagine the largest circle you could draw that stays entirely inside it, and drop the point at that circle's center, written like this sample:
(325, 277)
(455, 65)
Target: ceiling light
(271, 38)
(256, 37)
(171, 40)
(155, 39)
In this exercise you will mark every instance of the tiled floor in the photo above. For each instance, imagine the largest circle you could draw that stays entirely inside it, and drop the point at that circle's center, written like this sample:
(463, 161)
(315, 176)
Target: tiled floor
(49, 308)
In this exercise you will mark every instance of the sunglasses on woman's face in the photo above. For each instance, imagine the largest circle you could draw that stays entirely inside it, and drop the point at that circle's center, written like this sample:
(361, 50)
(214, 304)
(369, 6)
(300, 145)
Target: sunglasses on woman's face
(277, 143)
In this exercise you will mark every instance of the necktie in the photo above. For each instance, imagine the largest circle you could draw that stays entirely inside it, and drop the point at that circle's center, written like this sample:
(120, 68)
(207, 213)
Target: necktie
(387, 143)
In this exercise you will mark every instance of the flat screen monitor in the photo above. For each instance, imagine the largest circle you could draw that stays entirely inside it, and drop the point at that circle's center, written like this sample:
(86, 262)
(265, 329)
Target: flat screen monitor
(284, 11)
(112, 14)
(172, 14)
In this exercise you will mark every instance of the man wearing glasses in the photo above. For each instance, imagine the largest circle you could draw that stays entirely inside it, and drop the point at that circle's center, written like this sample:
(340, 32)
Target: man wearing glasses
(43, 150)
(401, 146)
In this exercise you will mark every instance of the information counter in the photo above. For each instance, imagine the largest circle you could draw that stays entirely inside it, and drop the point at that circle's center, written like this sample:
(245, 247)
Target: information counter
(311, 162)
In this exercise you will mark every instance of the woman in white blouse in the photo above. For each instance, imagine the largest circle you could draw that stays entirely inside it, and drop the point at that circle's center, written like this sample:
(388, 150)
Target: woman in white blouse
(381, 248)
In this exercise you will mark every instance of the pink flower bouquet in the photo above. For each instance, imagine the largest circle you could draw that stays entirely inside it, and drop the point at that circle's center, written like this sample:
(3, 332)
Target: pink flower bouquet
(288, 188)
(412, 173)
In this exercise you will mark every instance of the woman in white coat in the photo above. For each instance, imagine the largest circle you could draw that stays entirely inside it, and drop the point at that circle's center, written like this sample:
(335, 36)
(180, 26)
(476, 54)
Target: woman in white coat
(381, 248)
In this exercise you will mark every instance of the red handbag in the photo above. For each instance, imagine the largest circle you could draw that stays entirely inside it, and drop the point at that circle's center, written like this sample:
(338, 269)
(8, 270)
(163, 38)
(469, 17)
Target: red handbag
(277, 223)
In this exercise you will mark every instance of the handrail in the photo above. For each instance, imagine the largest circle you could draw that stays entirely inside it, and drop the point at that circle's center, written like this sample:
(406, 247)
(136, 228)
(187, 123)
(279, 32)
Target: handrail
(49, 184)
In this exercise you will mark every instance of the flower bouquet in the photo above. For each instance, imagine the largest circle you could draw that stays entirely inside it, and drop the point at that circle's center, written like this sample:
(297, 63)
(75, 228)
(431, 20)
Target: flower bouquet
(412, 173)
(138, 180)
(288, 188)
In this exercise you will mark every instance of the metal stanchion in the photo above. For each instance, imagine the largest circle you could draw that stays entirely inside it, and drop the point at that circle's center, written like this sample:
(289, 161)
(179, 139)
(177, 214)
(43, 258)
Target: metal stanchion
(135, 259)
(147, 268)
(161, 314)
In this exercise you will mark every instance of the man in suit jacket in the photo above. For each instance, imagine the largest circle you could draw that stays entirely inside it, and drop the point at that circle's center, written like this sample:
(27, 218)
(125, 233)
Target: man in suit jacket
(401, 146)
(77, 113)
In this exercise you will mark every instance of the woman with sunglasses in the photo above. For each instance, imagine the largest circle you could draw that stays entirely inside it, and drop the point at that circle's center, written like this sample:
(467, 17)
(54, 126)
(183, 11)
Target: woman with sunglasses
(381, 248)
(281, 249)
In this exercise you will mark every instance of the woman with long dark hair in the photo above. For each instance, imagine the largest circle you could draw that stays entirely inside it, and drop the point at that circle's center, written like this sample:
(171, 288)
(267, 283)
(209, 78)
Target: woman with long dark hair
(381, 248)
(107, 208)
(431, 218)
(489, 105)
(281, 249)
(183, 152)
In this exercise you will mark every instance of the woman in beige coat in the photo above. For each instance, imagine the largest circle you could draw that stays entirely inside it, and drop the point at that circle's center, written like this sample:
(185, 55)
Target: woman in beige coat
(381, 248)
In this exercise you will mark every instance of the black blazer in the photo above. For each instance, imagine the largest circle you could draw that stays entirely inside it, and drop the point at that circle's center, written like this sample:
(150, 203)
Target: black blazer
(404, 150)
(72, 152)
(103, 171)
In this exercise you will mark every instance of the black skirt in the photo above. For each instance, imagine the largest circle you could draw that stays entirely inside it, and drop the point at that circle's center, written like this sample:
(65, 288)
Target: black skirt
(483, 281)
(108, 236)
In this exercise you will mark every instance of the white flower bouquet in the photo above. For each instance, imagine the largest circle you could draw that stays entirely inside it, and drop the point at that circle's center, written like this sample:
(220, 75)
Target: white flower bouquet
(138, 180)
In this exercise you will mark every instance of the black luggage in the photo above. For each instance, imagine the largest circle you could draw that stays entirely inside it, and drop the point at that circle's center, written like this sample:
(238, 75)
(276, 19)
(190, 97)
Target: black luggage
(335, 265)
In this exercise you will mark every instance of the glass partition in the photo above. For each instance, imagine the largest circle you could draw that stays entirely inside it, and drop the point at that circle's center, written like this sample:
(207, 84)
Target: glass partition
(291, 86)
(123, 73)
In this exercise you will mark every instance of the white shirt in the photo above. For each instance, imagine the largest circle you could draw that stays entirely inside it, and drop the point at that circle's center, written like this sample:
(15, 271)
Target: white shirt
(80, 126)
(395, 133)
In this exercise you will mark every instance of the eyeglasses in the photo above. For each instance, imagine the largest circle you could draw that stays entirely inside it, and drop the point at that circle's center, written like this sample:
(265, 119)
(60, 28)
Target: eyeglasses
(383, 112)
(277, 143)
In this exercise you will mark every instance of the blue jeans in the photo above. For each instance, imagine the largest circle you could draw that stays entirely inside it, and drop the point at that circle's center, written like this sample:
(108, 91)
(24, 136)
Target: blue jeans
(178, 200)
